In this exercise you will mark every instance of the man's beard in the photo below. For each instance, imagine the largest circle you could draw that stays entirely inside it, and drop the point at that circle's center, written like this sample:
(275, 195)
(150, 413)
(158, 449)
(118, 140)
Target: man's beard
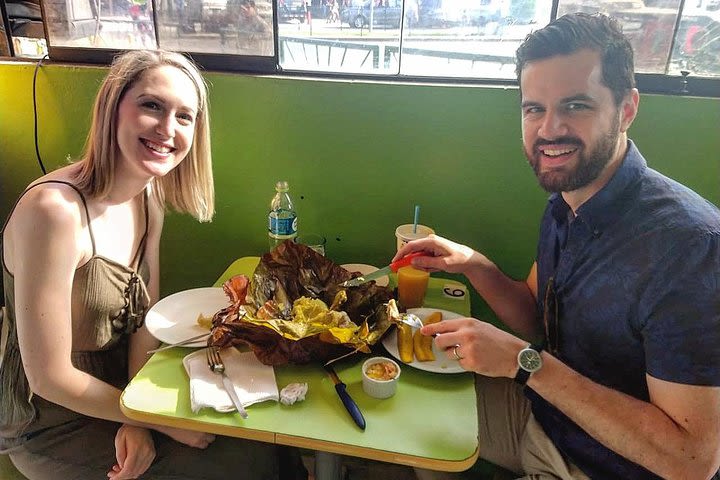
(590, 162)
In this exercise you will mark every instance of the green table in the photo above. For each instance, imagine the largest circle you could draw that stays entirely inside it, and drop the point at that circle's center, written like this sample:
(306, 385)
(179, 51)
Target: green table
(431, 422)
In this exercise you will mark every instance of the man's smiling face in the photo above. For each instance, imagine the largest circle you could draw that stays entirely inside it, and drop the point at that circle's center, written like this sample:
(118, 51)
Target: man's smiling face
(570, 123)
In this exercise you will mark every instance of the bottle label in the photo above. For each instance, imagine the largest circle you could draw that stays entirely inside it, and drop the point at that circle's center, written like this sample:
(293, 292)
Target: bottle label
(285, 227)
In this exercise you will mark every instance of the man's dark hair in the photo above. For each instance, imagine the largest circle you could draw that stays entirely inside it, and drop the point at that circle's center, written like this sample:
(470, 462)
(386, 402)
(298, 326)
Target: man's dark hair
(577, 31)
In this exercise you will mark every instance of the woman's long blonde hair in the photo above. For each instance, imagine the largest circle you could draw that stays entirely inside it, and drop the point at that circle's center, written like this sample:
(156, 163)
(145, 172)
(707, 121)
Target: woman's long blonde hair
(189, 187)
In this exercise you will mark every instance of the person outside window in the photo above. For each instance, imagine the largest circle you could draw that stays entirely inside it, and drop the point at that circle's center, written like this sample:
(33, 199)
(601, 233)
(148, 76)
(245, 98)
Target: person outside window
(612, 369)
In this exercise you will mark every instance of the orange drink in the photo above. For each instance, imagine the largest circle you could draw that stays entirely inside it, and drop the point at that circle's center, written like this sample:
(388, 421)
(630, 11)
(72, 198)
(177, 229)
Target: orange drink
(412, 284)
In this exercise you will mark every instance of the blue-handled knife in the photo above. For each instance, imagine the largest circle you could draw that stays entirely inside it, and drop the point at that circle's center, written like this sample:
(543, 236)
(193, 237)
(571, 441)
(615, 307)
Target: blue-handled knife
(347, 400)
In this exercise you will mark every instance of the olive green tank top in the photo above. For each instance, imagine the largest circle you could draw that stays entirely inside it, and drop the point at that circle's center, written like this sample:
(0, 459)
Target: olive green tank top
(109, 301)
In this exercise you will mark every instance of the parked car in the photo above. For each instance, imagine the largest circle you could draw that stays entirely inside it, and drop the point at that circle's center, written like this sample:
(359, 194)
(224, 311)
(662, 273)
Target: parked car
(290, 11)
(449, 13)
(385, 13)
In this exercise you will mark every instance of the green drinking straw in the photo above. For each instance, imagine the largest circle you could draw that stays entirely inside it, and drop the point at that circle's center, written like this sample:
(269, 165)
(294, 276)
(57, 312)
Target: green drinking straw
(415, 220)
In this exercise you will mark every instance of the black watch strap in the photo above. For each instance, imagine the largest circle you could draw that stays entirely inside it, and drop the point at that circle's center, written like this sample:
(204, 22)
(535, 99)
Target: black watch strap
(522, 375)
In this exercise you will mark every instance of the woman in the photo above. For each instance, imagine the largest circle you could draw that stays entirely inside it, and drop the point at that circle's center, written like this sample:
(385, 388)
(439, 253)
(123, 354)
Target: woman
(80, 269)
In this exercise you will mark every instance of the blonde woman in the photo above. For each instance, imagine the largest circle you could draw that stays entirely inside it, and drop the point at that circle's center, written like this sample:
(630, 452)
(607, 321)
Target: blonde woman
(80, 255)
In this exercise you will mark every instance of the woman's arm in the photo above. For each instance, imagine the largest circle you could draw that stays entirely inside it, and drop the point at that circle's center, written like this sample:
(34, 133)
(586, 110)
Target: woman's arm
(48, 232)
(48, 235)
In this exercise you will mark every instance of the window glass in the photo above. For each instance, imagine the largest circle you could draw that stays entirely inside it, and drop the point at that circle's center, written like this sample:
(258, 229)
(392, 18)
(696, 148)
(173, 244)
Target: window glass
(349, 36)
(208, 26)
(243, 27)
(474, 39)
(697, 43)
(650, 26)
(117, 24)
(466, 38)
(25, 29)
(4, 43)
(469, 38)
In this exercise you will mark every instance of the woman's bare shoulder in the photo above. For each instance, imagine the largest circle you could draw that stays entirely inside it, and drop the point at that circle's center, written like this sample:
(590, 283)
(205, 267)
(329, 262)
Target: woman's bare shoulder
(50, 204)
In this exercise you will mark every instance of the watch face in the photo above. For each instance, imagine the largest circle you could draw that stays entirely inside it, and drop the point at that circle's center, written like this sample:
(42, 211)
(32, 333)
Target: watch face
(530, 360)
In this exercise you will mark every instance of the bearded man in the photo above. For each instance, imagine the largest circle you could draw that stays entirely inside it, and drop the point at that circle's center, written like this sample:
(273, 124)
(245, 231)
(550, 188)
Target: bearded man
(609, 367)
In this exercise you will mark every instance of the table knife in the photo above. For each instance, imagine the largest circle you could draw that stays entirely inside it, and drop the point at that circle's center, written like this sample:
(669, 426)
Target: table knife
(347, 400)
(393, 267)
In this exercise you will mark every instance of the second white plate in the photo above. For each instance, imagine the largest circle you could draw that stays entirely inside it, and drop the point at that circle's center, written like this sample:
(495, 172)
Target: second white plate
(174, 318)
(441, 364)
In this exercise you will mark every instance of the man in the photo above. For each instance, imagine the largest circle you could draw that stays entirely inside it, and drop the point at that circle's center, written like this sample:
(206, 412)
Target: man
(622, 304)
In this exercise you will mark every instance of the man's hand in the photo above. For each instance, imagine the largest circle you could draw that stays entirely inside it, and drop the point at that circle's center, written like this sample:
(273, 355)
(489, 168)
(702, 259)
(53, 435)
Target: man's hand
(484, 348)
(134, 452)
(444, 255)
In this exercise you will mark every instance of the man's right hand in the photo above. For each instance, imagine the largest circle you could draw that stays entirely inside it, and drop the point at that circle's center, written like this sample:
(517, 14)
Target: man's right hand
(444, 255)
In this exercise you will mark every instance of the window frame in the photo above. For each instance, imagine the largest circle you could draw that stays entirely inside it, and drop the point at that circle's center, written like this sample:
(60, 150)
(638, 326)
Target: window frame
(654, 83)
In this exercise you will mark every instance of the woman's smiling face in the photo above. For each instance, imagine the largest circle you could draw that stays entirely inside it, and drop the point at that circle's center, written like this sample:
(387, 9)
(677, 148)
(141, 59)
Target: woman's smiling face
(156, 122)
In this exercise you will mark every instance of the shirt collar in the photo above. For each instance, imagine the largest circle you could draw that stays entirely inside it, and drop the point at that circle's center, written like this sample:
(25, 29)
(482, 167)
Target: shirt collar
(600, 209)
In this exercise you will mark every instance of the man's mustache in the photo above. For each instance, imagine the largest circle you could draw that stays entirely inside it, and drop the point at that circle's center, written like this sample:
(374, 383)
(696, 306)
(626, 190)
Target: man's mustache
(564, 140)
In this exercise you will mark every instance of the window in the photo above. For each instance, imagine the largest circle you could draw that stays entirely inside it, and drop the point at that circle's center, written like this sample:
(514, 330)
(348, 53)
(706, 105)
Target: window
(468, 40)
(448, 38)
(22, 29)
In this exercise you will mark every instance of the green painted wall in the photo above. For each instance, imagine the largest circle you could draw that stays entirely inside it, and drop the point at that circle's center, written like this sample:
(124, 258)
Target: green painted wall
(358, 156)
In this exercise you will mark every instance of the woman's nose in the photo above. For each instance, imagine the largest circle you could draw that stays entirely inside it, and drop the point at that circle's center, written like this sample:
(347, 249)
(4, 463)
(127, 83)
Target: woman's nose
(166, 126)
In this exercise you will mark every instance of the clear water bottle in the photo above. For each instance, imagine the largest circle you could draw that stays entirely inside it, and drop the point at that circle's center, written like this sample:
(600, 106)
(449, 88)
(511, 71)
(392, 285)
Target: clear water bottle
(282, 218)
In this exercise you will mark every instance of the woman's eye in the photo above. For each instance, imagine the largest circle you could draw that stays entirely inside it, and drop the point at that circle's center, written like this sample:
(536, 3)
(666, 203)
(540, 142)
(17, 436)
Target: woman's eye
(186, 118)
(151, 105)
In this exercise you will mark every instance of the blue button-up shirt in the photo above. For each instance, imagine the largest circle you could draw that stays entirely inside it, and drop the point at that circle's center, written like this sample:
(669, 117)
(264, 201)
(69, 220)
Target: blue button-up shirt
(637, 284)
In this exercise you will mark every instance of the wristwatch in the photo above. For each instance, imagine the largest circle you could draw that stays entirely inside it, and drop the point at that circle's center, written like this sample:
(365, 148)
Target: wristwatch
(529, 361)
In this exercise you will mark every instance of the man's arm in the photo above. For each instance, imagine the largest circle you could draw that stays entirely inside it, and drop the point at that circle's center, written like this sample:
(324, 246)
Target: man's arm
(675, 435)
(513, 301)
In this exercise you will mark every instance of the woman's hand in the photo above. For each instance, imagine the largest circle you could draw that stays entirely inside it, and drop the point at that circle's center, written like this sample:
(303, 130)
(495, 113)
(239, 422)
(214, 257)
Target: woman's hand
(483, 348)
(443, 255)
(190, 438)
(134, 452)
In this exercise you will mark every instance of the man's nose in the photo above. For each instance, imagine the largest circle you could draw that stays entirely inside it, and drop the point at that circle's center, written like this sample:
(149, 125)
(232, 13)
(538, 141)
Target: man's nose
(552, 126)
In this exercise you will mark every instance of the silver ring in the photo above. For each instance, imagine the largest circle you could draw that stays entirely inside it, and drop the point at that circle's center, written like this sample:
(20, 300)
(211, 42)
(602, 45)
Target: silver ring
(455, 352)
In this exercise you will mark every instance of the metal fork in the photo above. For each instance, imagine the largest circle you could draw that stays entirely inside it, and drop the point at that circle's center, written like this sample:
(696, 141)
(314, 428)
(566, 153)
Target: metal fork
(414, 321)
(411, 319)
(218, 367)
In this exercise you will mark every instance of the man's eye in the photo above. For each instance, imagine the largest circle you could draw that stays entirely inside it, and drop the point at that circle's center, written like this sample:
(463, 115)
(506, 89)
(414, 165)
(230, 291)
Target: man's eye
(577, 106)
(531, 110)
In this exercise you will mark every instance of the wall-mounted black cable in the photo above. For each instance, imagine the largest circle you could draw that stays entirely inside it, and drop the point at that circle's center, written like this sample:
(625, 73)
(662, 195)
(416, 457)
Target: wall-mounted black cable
(34, 96)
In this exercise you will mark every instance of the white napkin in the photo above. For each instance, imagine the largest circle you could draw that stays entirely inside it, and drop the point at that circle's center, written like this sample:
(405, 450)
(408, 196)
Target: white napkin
(253, 381)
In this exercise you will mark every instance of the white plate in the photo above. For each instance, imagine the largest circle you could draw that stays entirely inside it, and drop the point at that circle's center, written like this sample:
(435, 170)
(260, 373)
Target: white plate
(174, 318)
(366, 270)
(441, 364)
